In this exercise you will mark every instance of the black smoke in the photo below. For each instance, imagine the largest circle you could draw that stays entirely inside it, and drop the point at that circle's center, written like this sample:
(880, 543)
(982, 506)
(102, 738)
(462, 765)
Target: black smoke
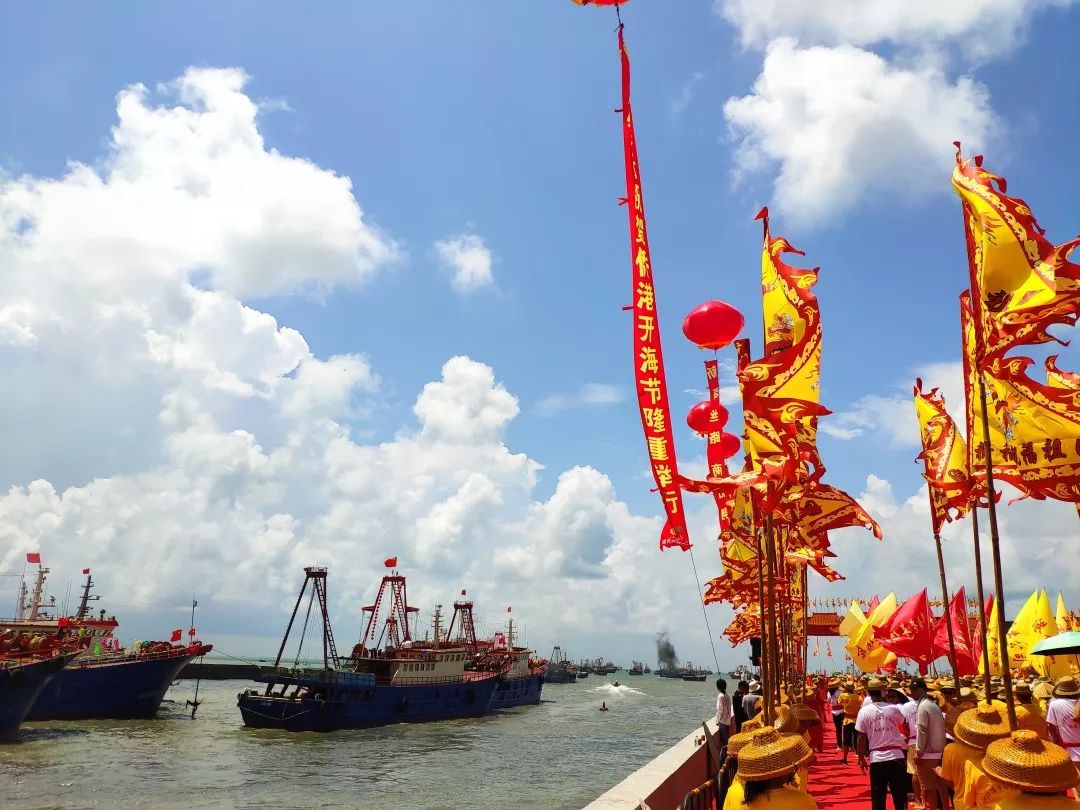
(665, 651)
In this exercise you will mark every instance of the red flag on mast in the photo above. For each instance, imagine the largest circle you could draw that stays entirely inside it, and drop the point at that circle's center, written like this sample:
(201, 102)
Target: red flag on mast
(956, 614)
(33, 557)
(390, 562)
(909, 633)
(177, 635)
(86, 570)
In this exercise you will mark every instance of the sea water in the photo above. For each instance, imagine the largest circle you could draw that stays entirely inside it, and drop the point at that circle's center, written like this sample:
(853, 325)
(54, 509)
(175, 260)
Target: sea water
(562, 753)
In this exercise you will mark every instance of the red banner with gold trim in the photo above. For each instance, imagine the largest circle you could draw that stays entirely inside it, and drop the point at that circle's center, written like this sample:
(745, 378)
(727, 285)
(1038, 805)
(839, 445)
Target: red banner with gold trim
(649, 380)
(713, 454)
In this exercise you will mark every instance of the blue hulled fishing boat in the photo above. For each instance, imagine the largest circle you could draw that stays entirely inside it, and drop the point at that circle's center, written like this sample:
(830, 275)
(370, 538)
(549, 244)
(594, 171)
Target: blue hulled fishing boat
(387, 679)
(106, 680)
(23, 674)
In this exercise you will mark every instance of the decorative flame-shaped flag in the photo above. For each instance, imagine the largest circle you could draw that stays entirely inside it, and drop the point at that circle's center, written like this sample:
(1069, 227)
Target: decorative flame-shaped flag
(909, 632)
(828, 649)
(390, 562)
(956, 615)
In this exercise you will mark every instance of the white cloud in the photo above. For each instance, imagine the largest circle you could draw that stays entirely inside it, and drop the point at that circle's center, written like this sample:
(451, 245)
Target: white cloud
(839, 124)
(981, 28)
(469, 259)
(892, 416)
(179, 440)
(686, 94)
(590, 394)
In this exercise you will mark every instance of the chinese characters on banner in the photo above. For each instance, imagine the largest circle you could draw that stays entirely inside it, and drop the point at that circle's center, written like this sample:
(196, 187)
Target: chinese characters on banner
(649, 380)
(713, 454)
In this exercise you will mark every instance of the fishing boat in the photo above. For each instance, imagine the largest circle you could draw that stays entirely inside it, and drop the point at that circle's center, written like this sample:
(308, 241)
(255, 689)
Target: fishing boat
(637, 668)
(522, 678)
(692, 673)
(28, 663)
(105, 680)
(387, 678)
(560, 669)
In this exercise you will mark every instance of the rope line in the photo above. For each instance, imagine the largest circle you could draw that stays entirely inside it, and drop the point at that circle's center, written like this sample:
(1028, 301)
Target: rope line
(705, 613)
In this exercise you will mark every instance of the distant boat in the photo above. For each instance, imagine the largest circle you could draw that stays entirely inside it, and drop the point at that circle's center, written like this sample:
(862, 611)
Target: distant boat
(559, 668)
(637, 668)
(692, 673)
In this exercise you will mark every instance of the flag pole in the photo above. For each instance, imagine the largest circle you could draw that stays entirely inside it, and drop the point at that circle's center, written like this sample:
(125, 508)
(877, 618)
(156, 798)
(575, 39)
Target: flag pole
(770, 568)
(995, 550)
(945, 598)
(766, 671)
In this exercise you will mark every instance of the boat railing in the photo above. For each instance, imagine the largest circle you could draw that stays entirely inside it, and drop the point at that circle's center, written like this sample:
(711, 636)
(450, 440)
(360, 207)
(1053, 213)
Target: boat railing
(84, 660)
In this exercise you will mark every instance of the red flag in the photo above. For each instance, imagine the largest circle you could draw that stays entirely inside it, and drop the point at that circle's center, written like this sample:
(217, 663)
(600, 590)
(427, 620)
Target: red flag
(33, 557)
(909, 632)
(86, 570)
(462, 591)
(390, 562)
(966, 662)
(177, 634)
(873, 604)
(191, 632)
(508, 609)
(649, 379)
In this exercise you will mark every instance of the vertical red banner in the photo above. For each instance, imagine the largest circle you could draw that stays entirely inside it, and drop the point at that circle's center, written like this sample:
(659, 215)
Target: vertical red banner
(713, 456)
(649, 380)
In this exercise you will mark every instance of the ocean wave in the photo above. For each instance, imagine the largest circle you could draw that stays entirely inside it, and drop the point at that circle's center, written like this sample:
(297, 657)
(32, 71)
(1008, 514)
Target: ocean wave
(612, 689)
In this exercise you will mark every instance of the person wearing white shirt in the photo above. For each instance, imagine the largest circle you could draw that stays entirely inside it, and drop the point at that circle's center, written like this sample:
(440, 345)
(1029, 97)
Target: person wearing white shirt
(1063, 716)
(882, 748)
(725, 719)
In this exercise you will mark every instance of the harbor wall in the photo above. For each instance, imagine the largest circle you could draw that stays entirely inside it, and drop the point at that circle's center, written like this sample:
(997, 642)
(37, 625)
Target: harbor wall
(665, 781)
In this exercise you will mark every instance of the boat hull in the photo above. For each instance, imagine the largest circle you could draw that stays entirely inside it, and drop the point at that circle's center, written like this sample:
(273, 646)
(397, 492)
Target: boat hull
(20, 687)
(108, 688)
(355, 703)
(522, 691)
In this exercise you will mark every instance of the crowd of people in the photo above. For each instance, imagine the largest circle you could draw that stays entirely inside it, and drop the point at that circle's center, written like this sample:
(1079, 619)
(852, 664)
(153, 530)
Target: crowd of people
(938, 744)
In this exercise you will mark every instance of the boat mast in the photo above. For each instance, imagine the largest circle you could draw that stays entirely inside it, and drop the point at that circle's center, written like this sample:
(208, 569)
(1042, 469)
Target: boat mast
(86, 597)
(35, 597)
(437, 624)
(21, 606)
(510, 634)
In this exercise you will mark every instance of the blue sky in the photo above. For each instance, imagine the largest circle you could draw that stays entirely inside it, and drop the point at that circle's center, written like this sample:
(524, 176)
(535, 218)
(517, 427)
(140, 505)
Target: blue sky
(494, 119)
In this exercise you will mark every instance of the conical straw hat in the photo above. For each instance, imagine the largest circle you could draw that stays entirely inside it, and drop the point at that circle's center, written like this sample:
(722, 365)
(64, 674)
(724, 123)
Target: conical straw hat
(770, 754)
(980, 726)
(736, 742)
(1024, 761)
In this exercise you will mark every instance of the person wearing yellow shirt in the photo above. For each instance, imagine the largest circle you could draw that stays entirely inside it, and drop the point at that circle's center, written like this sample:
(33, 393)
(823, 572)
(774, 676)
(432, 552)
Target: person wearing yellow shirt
(767, 766)
(850, 702)
(733, 798)
(975, 729)
(1037, 771)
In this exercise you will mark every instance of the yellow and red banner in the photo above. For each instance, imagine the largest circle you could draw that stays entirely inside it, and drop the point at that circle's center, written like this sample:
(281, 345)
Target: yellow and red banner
(649, 380)
(1022, 283)
(713, 455)
(945, 458)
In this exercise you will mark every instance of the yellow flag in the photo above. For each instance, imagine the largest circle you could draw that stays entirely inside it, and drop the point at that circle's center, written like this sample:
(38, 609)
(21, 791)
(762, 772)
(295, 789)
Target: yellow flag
(991, 643)
(1063, 620)
(865, 649)
(1033, 623)
(854, 620)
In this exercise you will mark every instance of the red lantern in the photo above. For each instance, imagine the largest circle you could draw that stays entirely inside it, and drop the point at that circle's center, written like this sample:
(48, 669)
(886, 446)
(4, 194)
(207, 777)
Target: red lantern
(712, 325)
(707, 417)
(730, 444)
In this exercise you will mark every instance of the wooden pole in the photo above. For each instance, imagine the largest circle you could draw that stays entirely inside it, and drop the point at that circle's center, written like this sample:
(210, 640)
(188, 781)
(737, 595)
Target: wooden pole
(770, 595)
(948, 615)
(995, 549)
(763, 627)
(982, 602)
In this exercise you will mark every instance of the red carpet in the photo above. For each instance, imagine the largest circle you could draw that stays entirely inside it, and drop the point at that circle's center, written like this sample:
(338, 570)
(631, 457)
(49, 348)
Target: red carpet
(836, 786)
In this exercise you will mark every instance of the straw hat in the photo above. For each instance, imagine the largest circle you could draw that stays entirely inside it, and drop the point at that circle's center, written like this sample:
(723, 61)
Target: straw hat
(1067, 686)
(1021, 688)
(980, 726)
(737, 741)
(1024, 761)
(946, 685)
(875, 685)
(967, 693)
(786, 722)
(806, 716)
(753, 723)
(770, 754)
(1042, 691)
(849, 688)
